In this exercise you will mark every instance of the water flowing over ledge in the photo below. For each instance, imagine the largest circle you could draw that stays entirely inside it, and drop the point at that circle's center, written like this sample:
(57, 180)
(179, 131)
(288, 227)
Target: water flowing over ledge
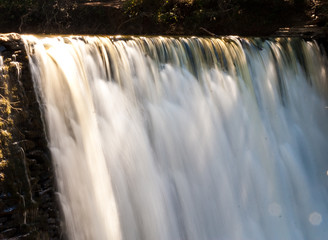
(186, 138)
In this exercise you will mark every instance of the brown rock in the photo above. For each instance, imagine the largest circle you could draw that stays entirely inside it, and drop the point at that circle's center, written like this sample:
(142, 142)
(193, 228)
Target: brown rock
(27, 169)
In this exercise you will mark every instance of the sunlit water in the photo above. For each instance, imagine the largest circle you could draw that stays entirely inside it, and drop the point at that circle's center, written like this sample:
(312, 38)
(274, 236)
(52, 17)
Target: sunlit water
(186, 139)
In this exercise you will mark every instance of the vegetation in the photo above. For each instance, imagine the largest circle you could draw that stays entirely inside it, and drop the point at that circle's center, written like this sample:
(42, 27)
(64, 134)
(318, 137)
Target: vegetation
(215, 15)
(246, 17)
(42, 13)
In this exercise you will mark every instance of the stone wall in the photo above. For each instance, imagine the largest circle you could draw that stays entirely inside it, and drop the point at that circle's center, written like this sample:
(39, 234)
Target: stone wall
(28, 204)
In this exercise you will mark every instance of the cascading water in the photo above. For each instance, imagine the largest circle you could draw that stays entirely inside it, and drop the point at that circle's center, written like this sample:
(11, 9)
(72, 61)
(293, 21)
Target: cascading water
(186, 139)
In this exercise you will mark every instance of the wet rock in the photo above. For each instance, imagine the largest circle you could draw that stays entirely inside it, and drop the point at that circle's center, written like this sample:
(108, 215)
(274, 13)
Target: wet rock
(51, 221)
(26, 168)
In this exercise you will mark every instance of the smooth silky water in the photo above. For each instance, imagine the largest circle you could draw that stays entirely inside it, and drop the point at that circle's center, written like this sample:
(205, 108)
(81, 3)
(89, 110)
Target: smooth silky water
(186, 138)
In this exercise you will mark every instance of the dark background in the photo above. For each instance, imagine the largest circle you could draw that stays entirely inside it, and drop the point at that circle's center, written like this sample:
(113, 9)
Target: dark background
(165, 17)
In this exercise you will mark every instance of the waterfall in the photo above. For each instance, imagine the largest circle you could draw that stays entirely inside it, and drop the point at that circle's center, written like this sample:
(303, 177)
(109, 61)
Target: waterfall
(186, 138)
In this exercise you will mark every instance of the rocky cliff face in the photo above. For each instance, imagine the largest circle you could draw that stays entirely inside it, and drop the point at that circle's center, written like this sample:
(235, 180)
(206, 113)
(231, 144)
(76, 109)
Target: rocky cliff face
(28, 204)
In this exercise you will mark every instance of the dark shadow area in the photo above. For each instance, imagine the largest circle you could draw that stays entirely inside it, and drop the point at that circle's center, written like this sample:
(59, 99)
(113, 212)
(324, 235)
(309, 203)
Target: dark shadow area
(166, 17)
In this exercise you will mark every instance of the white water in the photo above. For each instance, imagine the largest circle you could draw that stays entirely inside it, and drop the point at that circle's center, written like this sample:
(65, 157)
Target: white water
(186, 139)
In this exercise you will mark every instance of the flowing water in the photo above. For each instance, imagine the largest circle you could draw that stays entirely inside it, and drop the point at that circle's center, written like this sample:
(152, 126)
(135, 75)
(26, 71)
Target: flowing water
(186, 138)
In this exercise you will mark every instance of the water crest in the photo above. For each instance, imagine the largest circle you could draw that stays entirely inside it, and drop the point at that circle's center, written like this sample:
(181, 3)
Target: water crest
(186, 138)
